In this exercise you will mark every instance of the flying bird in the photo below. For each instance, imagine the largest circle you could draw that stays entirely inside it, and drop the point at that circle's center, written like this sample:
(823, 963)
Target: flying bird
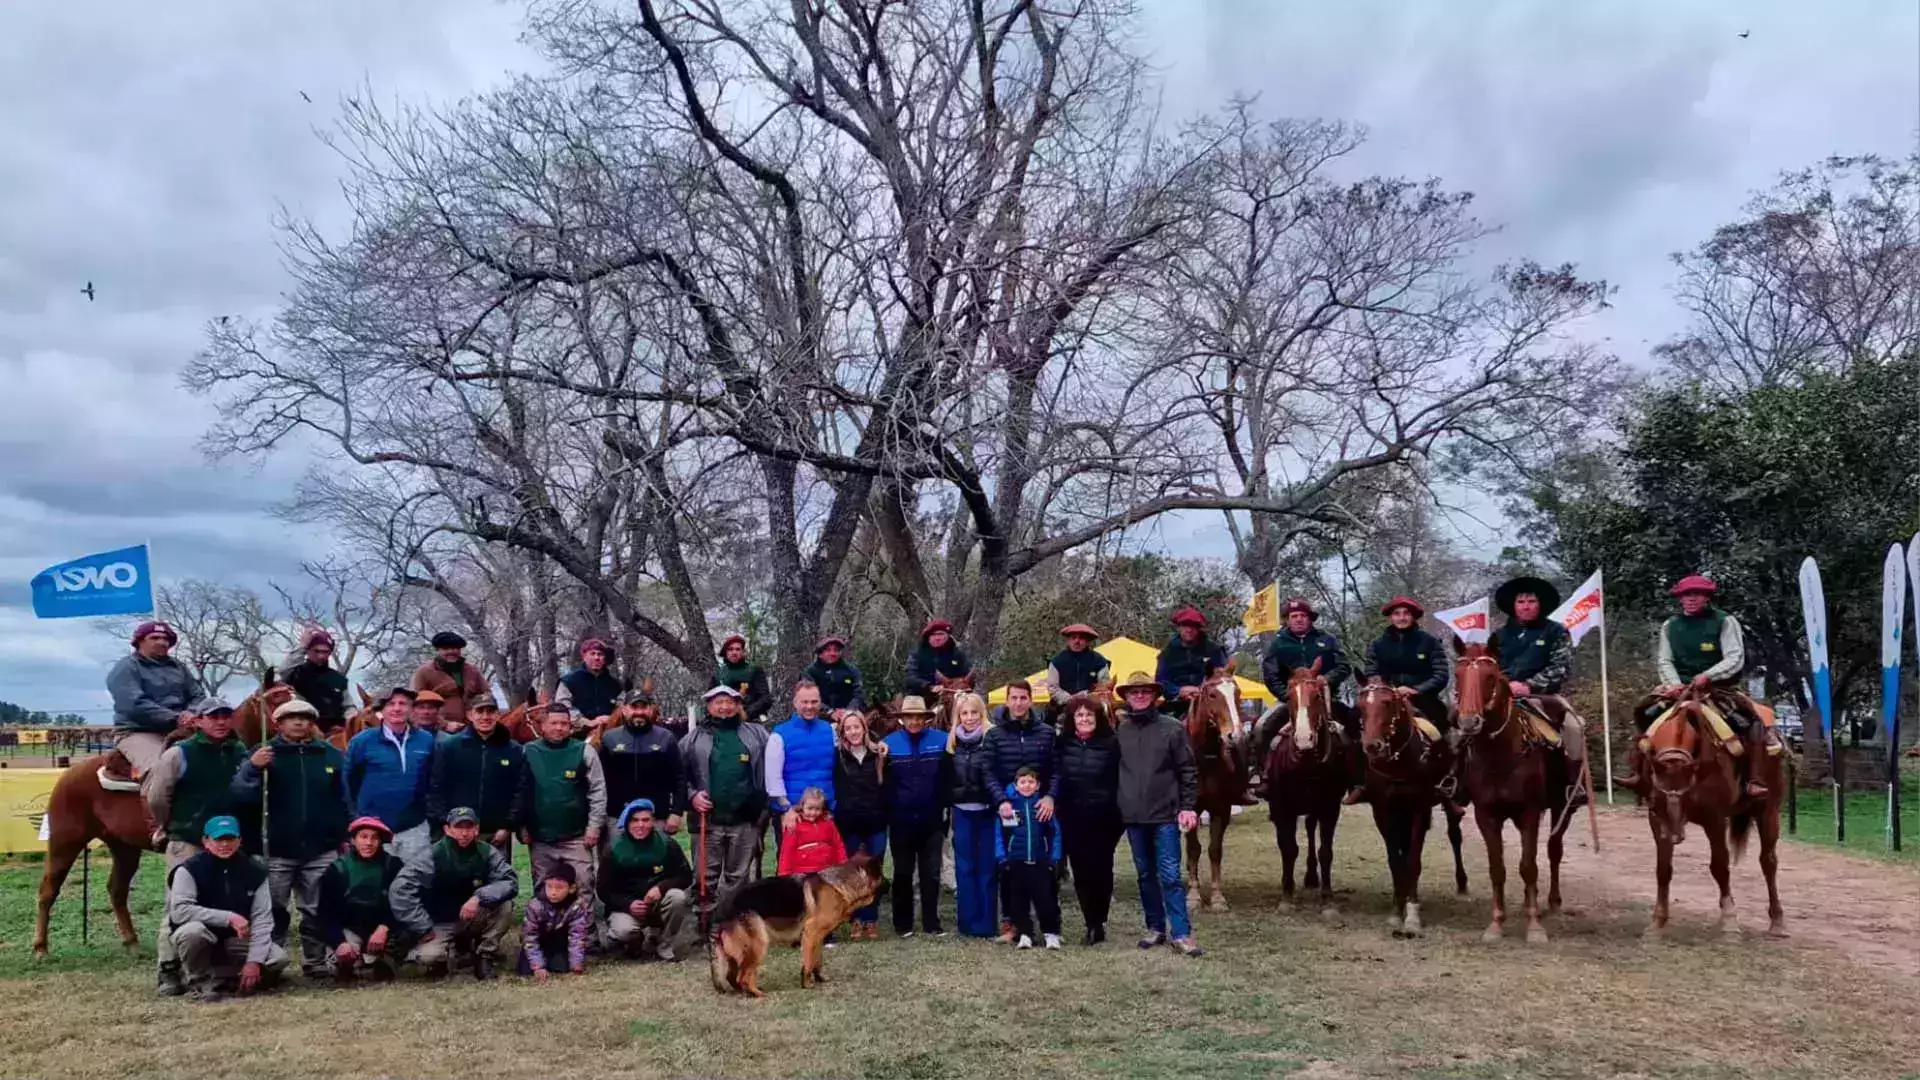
(305, 98)
(223, 320)
(89, 291)
(1745, 33)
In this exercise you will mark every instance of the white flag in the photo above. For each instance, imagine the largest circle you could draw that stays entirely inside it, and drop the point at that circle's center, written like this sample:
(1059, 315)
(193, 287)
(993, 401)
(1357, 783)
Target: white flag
(1471, 623)
(1583, 610)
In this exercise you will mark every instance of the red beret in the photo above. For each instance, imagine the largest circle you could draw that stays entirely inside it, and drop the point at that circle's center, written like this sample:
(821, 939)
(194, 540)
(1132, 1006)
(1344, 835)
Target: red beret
(151, 627)
(1188, 616)
(935, 624)
(1694, 583)
(1300, 605)
(730, 639)
(1405, 602)
(593, 643)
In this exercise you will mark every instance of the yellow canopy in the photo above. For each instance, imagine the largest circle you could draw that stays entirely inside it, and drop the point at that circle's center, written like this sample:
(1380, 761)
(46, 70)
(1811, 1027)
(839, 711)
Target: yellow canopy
(1127, 656)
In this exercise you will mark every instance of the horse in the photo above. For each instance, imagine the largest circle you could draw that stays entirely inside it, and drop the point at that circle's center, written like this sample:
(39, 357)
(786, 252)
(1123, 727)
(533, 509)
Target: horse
(945, 690)
(1511, 775)
(1403, 774)
(1211, 721)
(97, 799)
(1307, 774)
(1693, 778)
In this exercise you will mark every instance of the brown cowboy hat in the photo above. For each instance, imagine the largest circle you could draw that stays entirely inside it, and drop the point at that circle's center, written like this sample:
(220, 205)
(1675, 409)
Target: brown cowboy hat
(1139, 680)
(1079, 628)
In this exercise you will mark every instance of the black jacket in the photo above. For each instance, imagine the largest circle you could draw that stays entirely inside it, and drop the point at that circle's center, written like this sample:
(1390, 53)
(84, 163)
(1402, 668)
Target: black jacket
(481, 774)
(1089, 773)
(967, 773)
(619, 888)
(323, 688)
(360, 914)
(1011, 744)
(1158, 778)
(859, 794)
(643, 763)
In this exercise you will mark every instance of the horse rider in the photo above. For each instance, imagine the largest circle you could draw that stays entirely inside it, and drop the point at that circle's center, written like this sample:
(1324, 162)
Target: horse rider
(839, 681)
(1076, 669)
(1536, 654)
(314, 679)
(151, 691)
(590, 690)
(449, 675)
(745, 676)
(1411, 661)
(935, 658)
(1301, 644)
(1189, 655)
(1702, 648)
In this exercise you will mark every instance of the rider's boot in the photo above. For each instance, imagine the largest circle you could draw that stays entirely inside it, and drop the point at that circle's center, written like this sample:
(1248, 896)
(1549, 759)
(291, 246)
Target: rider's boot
(1635, 776)
(169, 982)
(1756, 756)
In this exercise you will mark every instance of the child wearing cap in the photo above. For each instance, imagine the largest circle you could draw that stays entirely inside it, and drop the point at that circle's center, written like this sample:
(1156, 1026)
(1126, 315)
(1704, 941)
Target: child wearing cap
(643, 882)
(554, 931)
(355, 917)
(220, 916)
(456, 897)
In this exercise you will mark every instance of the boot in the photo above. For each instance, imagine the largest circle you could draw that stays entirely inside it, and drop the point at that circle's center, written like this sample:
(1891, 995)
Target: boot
(1756, 753)
(483, 968)
(167, 981)
(1095, 935)
(1355, 795)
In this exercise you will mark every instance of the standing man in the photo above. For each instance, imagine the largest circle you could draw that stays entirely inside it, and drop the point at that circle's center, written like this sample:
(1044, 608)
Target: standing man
(641, 761)
(839, 681)
(916, 790)
(388, 769)
(220, 916)
(478, 768)
(1159, 785)
(799, 756)
(724, 761)
(1536, 655)
(1185, 661)
(591, 689)
(1703, 648)
(561, 804)
(191, 782)
(1076, 669)
(317, 683)
(936, 658)
(151, 691)
(305, 782)
(737, 671)
(1300, 644)
(449, 675)
(455, 897)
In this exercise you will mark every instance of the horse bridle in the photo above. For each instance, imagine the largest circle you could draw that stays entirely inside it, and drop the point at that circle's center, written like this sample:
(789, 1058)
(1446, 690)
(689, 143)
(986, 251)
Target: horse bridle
(1402, 718)
(1302, 708)
(1507, 717)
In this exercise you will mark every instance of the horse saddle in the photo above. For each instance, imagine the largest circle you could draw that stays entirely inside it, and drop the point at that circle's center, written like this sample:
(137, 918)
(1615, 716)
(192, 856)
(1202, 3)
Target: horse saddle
(1544, 714)
(117, 774)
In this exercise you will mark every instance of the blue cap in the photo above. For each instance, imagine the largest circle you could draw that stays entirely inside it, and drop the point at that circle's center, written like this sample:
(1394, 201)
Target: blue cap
(222, 827)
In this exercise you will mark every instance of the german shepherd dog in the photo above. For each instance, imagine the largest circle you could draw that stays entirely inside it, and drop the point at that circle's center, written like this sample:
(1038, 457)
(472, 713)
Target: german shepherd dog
(793, 907)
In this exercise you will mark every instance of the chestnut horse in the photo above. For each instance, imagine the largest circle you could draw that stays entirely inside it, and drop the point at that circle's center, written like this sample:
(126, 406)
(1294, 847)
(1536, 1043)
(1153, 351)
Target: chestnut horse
(82, 809)
(1404, 770)
(1511, 775)
(1212, 719)
(1307, 774)
(1693, 779)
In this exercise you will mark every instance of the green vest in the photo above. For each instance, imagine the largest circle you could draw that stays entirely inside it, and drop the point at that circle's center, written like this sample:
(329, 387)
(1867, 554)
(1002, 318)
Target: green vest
(458, 873)
(737, 676)
(730, 777)
(559, 777)
(203, 789)
(1695, 642)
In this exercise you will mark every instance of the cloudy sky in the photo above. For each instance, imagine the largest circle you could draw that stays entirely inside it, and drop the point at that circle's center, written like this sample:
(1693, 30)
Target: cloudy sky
(149, 147)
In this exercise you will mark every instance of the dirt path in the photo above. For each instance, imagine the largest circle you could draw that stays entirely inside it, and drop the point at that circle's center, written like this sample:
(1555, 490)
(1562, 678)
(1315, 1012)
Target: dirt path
(1836, 903)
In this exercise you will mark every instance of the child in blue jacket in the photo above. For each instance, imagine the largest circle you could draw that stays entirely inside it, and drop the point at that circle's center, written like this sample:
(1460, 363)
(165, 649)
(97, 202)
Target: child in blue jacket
(1028, 851)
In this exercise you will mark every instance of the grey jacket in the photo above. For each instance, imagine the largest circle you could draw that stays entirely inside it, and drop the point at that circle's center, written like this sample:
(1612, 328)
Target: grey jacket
(697, 747)
(408, 896)
(1158, 778)
(150, 695)
(183, 907)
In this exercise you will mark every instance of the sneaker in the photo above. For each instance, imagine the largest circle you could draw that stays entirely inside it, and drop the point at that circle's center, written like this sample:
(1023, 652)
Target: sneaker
(935, 931)
(1185, 947)
(1053, 940)
(665, 954)
(903, 934)
(1153, 940)
(1025, 942)
(166, 981)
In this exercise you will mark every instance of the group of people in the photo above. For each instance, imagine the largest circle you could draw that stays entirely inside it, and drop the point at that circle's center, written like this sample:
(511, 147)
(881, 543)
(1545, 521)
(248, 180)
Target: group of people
(400, 847)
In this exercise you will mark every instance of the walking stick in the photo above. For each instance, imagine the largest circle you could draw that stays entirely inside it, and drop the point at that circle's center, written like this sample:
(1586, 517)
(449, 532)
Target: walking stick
(705, 917)
(1586, 777)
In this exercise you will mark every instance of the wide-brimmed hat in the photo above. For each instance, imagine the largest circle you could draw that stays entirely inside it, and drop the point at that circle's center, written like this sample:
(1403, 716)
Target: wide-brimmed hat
(927, 631)
(912, 705)
(428, 697)
(1139, 680)
(1300, 605)
(1699, 583)
(1079, 628)
(1405, 602)
(296, 707)
(1540, 587)
(1190, 616)
(831, 639)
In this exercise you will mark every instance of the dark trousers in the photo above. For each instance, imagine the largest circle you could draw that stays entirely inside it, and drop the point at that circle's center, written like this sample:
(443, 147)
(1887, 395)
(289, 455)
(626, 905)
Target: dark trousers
(1036, 890)
(916, 852)
(1090, 840)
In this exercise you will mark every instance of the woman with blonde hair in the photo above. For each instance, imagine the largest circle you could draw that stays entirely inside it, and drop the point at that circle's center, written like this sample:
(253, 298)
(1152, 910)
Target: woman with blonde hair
(860, 805)
(974, 827)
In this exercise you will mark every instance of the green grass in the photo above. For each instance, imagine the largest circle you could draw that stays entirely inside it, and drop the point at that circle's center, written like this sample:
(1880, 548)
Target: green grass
(1277, 993)
(1867, 827)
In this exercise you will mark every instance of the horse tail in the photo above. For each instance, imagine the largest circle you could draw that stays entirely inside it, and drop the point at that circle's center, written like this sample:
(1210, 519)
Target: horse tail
(1737, 827)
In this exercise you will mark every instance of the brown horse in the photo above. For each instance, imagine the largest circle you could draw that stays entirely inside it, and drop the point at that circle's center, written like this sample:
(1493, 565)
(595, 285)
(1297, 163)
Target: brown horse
(1307, 774)
(1512, 775)
(1211, 720)
(1404, 771)
(1693, 779)
(945, 691)
(82, 809)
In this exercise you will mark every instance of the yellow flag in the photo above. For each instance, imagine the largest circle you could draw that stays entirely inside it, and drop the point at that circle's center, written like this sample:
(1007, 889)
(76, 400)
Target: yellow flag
(1263, 615)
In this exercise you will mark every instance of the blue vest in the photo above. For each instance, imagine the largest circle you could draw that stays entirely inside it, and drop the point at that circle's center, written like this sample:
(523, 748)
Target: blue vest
(809, 761)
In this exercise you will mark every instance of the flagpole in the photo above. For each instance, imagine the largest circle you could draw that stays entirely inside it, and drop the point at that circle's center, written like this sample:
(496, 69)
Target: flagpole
(152, 593)
(1606, 703)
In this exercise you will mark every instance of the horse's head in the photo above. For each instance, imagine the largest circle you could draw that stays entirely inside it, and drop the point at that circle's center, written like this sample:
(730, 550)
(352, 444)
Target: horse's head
(1307, 704)
(1216, 709)
(1480, 688)
(1384, 719)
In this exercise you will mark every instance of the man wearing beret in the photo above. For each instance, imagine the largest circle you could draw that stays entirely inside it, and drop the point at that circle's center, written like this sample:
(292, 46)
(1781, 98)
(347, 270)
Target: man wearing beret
(737, 671)
(1185, 661)
(839, 681)
(314, 679)
(935, 659)
(151, 691)
(449, 675)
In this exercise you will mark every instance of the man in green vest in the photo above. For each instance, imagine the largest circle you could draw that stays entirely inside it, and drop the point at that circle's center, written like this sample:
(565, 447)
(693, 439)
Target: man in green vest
(455, 897)
(724, 761)
(192, 783)
(562, 798)
(305, 789)
(744, 675)
(1702, 649)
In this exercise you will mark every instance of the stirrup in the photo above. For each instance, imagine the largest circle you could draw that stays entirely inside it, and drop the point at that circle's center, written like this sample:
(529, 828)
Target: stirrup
(1448, 786)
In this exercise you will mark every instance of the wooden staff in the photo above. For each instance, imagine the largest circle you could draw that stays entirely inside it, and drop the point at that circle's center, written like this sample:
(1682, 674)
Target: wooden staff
(1586, 778)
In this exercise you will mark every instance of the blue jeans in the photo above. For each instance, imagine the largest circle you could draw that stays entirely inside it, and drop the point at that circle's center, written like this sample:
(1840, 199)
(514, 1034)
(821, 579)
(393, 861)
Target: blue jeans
(975, 893)
(875, 845)
(1163, 896)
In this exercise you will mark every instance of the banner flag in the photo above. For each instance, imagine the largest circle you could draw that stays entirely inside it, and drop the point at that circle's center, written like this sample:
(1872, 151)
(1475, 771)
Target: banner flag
(1583, 610)
(108, 583)
(1893, 622)
(1471, 623)
(1813, 605)
(1263, 615)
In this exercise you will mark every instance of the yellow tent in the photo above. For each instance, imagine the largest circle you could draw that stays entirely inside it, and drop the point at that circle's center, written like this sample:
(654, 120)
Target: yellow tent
(1127, 657)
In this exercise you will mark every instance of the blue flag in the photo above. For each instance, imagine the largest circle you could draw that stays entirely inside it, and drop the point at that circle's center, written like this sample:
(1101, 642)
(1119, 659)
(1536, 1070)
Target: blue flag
(109, 583)
(1813, 604)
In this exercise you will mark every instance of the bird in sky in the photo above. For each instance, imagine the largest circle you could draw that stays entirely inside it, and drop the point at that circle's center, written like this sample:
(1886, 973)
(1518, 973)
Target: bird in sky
(89, 291)
(308, 100)
(1745, 33)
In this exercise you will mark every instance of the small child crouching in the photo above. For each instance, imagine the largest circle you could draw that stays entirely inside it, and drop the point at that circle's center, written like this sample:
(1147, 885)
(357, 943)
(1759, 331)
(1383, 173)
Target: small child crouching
(556, 927)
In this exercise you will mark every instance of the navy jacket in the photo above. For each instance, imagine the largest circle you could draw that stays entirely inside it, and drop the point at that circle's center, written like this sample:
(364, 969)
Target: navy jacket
(1182, 665)
(1287, 652)
(1012, 744)
(916, 776)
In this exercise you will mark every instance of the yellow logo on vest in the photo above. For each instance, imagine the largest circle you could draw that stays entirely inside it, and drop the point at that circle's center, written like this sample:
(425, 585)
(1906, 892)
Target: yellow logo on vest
(744, 760)
(504, 761)
(1706, 646)
(568, 774)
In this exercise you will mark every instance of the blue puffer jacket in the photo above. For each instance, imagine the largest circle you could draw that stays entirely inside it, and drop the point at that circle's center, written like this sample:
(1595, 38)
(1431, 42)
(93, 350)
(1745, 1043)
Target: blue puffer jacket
(916, 776)
(1028, 839)
(388, 783)
(806, 759)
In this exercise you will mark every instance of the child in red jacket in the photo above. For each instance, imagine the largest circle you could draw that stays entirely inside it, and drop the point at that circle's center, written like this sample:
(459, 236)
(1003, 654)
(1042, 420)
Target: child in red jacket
(813, 843)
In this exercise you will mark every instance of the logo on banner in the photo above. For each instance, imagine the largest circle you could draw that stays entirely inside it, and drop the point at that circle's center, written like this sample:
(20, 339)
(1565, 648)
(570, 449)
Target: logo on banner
(120, 575)
(1584, 610)
(1470, 622)
(107, 583)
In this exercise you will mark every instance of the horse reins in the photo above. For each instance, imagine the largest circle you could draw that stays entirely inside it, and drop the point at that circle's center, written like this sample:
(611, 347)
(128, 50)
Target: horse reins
(1506, 718)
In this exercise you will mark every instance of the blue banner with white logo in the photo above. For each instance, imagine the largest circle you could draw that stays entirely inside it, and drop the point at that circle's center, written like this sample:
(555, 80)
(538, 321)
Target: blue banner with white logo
(109, 583)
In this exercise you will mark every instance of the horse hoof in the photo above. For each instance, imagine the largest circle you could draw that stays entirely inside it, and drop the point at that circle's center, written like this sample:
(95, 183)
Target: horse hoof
(1393, 923)
(1492, 933)
(1777, 928)
(1411, 926)
(1218, 902)
(1553, 904)
(1536, 935)
(1654, 933)
(1730, 928)
(1196, 900)
(1330, 913)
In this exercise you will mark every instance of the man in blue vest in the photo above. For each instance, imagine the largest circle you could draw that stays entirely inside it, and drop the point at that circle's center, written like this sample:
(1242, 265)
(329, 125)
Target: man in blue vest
(1185, 661)
(220, 916)
(1536, 655)
(799, 756)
